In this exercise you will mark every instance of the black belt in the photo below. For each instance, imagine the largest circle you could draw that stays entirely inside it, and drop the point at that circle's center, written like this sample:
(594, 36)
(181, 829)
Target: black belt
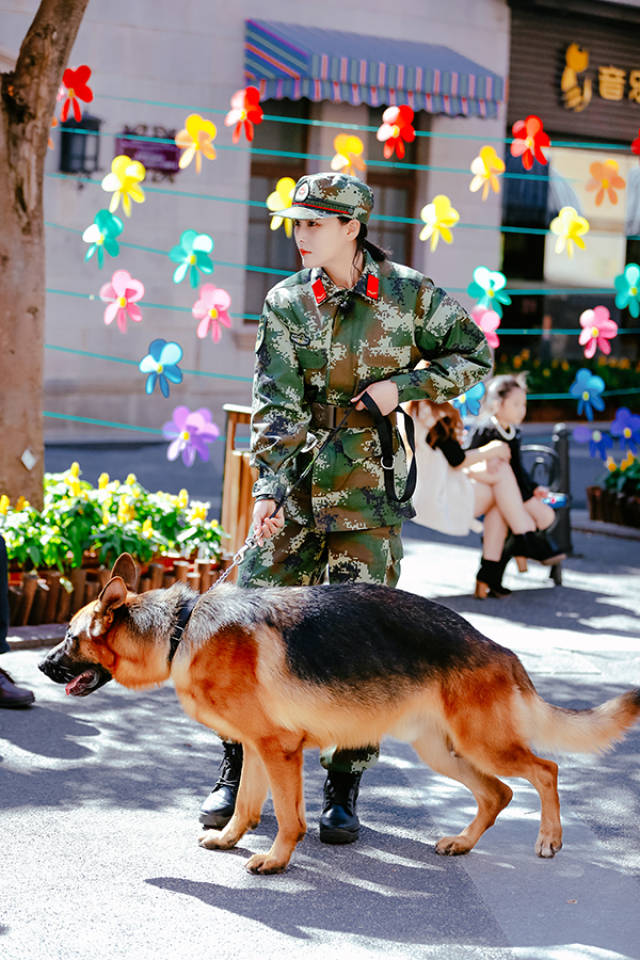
(328, 416)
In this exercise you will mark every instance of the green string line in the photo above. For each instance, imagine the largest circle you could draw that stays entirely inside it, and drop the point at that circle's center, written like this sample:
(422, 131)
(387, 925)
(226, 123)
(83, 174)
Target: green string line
(100, 423)
(289, 155)
(134, 363)
(356, 126)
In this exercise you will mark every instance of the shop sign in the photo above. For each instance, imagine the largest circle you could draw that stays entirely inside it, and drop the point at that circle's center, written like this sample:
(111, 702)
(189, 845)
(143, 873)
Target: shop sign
(153, 146)
(611, 82)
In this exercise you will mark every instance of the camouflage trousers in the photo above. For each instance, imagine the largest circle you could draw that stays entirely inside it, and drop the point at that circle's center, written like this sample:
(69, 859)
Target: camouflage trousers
(299, 556)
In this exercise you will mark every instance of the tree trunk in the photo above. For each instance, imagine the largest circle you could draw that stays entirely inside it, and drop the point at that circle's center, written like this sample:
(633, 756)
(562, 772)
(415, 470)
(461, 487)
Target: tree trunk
(26, 108)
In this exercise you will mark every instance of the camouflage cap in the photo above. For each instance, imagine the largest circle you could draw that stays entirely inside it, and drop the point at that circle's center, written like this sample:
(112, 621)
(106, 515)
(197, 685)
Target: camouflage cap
(320, 195)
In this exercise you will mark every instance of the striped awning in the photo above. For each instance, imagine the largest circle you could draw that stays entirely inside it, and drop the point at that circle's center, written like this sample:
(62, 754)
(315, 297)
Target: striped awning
(288, 61)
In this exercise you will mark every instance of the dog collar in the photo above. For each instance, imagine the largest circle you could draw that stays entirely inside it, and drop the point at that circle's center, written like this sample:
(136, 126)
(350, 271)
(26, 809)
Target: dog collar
(184, 612)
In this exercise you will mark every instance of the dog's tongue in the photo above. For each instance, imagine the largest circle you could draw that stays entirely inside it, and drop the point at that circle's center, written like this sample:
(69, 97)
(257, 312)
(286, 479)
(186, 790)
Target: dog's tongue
(78, 685)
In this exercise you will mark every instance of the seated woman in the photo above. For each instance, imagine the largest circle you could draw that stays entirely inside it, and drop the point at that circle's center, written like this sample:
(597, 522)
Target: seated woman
(456, 485)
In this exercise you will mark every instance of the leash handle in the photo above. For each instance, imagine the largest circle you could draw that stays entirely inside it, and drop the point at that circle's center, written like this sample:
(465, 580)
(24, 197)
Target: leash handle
(385, 432)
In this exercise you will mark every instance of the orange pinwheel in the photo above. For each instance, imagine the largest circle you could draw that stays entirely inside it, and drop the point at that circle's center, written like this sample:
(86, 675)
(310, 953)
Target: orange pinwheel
(486, 167)
(605, 179)
(195, 140)
(245, 112)
(348, 158)
(395, 130)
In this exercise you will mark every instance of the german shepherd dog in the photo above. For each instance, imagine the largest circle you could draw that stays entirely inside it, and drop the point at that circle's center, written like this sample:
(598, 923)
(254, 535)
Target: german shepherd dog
(284, 668)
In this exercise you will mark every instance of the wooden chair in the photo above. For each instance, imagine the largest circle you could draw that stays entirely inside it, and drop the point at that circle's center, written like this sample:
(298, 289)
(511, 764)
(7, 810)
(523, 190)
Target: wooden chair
(237, 482)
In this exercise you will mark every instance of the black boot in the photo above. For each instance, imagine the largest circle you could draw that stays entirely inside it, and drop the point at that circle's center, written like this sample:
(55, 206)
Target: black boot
(217, 809)
(489, 579)
(338, 821)
(537, 545)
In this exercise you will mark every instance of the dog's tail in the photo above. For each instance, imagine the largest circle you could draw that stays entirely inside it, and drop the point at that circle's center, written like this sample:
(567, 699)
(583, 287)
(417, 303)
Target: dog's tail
(581, 731)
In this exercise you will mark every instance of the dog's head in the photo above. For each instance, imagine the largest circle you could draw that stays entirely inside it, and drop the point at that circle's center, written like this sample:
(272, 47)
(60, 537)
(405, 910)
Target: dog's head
(84, 659)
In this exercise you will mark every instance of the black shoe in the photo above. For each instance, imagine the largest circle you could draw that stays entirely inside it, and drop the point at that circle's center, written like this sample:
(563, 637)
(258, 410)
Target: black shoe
(489, 580)
(217, 809)
(338, 821)
(537, 545)
(11, 695)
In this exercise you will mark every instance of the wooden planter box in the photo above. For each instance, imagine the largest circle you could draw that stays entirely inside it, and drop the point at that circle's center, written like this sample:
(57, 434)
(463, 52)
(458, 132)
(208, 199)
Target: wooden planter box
(47, 596)
(613, 507)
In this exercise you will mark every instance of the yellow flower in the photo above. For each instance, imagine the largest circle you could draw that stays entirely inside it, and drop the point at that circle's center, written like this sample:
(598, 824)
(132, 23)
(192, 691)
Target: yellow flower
(517, 362)
(348, 158)
(197, 513)
(525, 354)
(74, 487)
(546, 372)
(280, 199)
(565, 364)
(22, 504)
(196, 140)
(124, 180)
(103, 481)
(569, 227)
(183, 498)
(131, 479)
(147, 529)
(74, 469)
(438, 216)
(4, 504)
(106, 517)
(628, 460)
(487, 167)
(625, 363)
(126, 511)
(611, 465)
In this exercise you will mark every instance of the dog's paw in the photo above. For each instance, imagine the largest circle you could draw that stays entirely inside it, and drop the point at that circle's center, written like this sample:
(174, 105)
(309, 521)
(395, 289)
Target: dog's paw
(265, 863)
(452, 846)
(547, 846)
(215, 840)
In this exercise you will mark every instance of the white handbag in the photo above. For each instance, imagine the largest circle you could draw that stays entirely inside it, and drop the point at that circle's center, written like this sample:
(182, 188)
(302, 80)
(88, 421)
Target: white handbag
(443, 498)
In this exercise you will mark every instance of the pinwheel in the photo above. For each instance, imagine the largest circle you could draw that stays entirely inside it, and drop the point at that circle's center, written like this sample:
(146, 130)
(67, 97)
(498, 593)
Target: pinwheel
(606, 180)
(75, 89)
(597, 329)
(438, 216)
(245, 113)
(124, 181)
(191, 255)
(102, 235)
(569, 227)
(487, 167)
(196, 140)
(190, 432)
(280, 199)
(529, 141)
(211, 310)
(161, 365)
(121, 293)
(395, 130)
(348, 156)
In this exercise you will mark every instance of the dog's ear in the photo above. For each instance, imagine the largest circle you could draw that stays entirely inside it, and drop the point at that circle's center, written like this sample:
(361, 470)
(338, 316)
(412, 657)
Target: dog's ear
(125, 567)
(113, 595)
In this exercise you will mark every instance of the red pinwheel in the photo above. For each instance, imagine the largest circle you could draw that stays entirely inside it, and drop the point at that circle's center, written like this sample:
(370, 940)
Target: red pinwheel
(245, 112)
(396, 129)
(75, 83)
(529, 139)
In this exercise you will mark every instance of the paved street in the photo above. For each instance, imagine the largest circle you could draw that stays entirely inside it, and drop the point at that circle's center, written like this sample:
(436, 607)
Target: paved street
(100, 797)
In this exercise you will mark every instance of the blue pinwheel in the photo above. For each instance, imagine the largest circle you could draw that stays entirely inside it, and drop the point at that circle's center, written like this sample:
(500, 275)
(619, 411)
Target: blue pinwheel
(102, 235)
(161, 365)
(191, 255)
(627, 286)
(587, 389)
(468, 403)
(626, 427)
(599, 442)
(487, 288)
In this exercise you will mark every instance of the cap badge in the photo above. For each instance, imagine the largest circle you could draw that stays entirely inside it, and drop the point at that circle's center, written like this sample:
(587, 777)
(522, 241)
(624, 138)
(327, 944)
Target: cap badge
(302, 192)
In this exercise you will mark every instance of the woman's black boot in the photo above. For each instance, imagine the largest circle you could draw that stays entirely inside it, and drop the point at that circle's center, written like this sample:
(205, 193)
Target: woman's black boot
(489, 579)
(537, 545)
(217, 809)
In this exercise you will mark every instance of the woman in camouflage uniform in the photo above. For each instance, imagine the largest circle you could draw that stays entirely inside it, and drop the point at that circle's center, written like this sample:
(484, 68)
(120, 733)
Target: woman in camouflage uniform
(350, 321)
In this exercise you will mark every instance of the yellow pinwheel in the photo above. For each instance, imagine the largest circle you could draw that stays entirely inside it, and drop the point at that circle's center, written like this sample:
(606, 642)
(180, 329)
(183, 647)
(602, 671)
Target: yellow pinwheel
(438, 216)
(569, 227)
(487, 167)
(124, 179)
(280, 199)
(348, 158)
(196, 140)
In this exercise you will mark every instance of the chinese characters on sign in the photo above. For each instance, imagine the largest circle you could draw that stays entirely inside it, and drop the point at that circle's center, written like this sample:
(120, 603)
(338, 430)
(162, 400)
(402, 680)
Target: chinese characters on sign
(612, 82)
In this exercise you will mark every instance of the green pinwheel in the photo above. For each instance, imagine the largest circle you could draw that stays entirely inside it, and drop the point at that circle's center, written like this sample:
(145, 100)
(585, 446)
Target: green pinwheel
(102, 235)
(191, 255)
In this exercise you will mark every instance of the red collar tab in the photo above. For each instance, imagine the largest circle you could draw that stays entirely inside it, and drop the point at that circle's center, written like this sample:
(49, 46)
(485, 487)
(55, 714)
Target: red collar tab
(373, 286)
(319, 291)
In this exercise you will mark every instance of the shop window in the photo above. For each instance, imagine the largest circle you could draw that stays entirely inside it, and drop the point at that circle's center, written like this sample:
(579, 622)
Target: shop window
(80, 145)
(267, 247)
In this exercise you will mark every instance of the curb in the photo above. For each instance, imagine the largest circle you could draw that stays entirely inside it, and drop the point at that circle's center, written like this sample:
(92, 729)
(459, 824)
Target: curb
(581, 523)
(30, 638)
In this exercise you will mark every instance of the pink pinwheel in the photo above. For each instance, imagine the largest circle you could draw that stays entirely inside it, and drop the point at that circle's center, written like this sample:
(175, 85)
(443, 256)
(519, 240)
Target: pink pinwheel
(121, 295)
(488, 321)
(211, 311)
(597, 329)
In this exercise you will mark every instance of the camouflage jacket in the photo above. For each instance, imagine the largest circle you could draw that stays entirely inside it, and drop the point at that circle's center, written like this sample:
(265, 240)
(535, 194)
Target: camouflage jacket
(327, 352)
